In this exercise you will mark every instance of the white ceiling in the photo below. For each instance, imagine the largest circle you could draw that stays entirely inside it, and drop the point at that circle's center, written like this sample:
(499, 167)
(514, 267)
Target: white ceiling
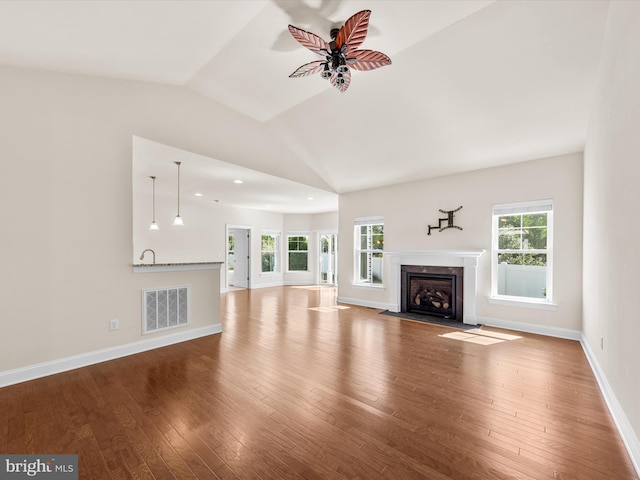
(473, 84)
(219, 182)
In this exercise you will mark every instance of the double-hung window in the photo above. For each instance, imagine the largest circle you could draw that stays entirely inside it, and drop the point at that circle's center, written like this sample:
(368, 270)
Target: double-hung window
(298, 253)
(369, 246)
(269, 252)
(522, 251)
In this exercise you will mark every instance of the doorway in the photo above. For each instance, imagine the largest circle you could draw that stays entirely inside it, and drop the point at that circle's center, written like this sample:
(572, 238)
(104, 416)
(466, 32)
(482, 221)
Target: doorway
(238, 256)
(328, 268)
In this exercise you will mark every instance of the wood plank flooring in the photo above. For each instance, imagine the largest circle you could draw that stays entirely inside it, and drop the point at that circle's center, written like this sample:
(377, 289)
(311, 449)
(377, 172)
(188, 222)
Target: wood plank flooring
(297, 387)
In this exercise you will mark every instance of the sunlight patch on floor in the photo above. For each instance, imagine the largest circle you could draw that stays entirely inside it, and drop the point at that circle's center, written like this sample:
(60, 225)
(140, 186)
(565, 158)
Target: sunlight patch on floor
(487, 333)
(479, 336)
(328, 309)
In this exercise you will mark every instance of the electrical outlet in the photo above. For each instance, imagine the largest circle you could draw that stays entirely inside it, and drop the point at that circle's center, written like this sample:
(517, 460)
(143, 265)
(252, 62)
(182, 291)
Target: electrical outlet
(113, 324)
(601, 343)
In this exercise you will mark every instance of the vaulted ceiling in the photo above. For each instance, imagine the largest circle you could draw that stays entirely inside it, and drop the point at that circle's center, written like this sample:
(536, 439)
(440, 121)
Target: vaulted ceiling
(473, 84)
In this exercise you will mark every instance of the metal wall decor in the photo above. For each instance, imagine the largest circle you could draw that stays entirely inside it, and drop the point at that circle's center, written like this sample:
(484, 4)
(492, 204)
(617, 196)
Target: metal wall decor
(449, 221)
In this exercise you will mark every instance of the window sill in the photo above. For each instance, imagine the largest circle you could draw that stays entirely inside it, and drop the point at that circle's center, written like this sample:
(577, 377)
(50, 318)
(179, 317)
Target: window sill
(374, 286)
(523, 302)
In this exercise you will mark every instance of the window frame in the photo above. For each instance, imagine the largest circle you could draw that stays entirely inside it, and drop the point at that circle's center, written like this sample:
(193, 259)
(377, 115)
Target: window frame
(522, 208)
(275, 252)
(369, 251)
(289, 251)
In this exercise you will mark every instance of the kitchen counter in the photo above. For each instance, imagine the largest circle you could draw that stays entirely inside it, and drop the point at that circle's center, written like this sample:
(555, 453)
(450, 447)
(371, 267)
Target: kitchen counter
(175, 267)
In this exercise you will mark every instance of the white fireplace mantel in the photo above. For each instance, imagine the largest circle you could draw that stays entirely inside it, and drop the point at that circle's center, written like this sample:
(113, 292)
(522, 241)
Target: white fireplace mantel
(468, 259)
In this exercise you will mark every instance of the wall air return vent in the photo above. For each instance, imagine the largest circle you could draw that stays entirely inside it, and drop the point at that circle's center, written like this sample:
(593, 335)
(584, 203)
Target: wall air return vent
(164, 308)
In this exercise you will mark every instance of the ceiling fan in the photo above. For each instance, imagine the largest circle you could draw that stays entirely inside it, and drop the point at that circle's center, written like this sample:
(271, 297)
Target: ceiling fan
(341, 53)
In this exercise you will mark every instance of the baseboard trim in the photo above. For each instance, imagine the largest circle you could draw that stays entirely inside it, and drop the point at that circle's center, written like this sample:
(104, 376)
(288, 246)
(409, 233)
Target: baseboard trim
(531, 328)
(255, 285)
(629, 437)
(363, 303)
(19, 375)
(488, 321)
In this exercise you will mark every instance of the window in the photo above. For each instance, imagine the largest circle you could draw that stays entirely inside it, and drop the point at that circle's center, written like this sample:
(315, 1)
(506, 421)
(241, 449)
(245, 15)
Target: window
(369, 245)
(328, 255)
(298, 253)
(231, 253)
(269, 252)
(522, 251)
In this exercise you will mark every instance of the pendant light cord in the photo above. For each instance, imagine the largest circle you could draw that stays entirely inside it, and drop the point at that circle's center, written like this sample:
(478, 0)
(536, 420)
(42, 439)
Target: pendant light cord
(154, 199)
(154, 225)
(178, 220)
(178, 163)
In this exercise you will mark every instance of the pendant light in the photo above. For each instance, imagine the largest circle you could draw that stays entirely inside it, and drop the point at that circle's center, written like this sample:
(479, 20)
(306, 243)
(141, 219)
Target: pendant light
(178, 220)
(154, 225)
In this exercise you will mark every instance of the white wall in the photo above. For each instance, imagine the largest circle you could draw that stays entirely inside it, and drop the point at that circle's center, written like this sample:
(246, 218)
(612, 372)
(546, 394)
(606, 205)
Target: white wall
(408, 209)
(67, 249)
(611, 227)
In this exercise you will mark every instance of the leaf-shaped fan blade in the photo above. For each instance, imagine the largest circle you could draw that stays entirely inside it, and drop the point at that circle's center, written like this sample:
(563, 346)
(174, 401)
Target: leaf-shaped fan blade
(367, 60)
(347, 81)
(308, 69)
(354, 31)
(310, 40)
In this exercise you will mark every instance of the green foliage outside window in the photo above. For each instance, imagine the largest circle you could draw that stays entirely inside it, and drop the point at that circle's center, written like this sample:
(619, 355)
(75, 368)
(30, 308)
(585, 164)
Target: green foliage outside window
(298, 253)
(372, 237)
(370, 253)
(519, 236)
(268, 253)
(522, 254)
(231, 253)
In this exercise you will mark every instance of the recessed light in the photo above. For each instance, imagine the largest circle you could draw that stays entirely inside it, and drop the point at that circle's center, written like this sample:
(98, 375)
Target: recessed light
(309, 198)
(198, 194)
(238, 181)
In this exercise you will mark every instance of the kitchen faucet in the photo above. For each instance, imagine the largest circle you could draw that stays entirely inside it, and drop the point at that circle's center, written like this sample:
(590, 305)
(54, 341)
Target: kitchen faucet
(152, 252)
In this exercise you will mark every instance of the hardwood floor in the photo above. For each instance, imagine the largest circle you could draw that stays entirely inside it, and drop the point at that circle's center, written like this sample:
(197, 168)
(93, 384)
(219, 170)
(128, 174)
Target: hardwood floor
(298, 387)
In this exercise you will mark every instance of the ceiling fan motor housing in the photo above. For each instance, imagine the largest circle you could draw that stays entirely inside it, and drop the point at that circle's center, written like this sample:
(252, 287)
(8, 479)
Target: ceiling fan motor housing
(337, 59)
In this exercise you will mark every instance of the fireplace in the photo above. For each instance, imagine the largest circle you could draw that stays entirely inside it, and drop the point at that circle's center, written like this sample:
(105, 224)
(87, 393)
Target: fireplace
(431, 290)
(467, 260)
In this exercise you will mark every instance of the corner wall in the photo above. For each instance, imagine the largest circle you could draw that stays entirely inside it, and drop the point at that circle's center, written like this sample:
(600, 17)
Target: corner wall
(611, 226)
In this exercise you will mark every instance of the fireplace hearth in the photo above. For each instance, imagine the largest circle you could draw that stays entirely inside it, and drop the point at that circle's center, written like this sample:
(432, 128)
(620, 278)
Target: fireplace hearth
(433, 291)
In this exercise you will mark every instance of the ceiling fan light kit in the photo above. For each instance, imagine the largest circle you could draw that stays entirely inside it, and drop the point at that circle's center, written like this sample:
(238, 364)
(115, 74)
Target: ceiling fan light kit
(341, 53)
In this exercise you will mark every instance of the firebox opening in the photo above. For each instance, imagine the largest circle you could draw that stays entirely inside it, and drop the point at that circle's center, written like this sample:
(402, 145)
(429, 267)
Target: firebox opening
(433, 294)
(435, 291)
